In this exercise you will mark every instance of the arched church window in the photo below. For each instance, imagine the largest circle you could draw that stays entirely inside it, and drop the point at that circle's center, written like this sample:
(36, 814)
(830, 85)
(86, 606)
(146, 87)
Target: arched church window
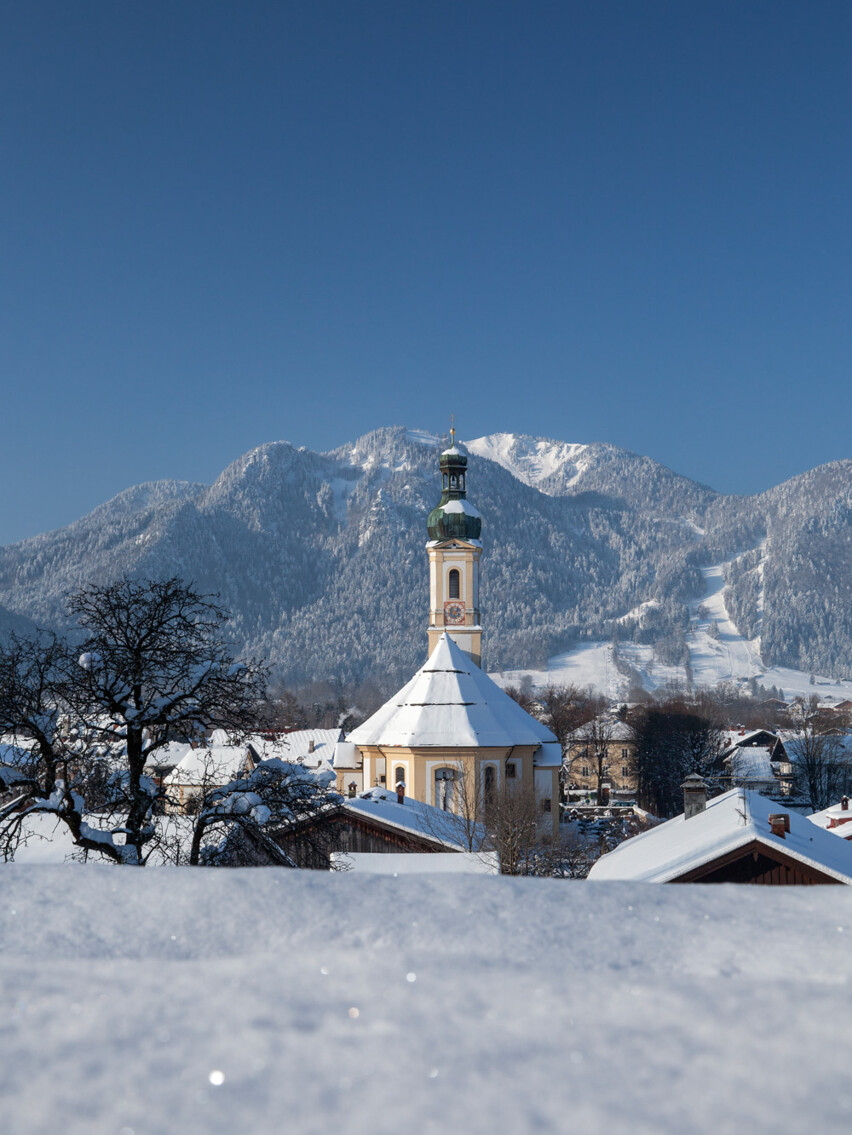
(399, 776)
(455, 583)
(453, 481)
(489, 782)
(445, 788)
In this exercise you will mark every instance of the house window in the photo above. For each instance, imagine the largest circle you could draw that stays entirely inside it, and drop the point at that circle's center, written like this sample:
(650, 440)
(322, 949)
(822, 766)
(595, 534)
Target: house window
(455, 584)
(510, 772)
(584, 771)
(625, 772)
(624, 754)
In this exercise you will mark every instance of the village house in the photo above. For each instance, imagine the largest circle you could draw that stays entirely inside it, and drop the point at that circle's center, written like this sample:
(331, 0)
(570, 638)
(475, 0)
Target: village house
(738, 837)
(837, 818)
(757, 759)
(600, 761)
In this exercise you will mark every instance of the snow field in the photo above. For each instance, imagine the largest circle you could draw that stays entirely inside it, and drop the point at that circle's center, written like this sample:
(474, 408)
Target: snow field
(728, 657)
(162, 1000)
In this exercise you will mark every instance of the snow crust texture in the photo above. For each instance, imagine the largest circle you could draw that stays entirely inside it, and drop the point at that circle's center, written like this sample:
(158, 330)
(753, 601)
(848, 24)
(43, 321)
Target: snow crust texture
(169, 1000)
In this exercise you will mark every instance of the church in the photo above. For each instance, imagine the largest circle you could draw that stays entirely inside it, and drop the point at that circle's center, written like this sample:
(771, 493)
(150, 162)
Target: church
(451, 736)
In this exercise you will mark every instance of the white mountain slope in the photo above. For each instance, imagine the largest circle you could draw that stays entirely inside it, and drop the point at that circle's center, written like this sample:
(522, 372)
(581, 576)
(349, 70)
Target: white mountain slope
(546, 465)
(723, 656)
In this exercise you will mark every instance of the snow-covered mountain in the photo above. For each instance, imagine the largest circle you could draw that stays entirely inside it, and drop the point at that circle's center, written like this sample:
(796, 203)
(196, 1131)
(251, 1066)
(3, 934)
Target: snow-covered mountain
(321, 558)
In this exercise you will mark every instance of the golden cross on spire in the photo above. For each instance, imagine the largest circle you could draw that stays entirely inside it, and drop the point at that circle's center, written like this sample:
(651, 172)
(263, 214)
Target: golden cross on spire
(452, 430)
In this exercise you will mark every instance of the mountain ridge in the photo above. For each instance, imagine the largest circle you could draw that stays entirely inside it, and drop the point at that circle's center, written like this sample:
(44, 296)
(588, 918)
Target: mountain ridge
(320, 556)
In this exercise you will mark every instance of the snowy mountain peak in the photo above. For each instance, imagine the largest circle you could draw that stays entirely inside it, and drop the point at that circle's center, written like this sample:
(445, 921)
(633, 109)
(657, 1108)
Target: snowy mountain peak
(551, 466)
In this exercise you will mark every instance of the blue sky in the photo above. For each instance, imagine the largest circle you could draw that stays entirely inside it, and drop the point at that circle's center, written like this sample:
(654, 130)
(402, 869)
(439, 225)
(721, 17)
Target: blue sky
(224, 224)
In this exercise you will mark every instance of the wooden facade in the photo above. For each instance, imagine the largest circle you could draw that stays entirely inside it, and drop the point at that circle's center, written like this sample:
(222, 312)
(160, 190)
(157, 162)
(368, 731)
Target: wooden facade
(758, 865)
(310, 843)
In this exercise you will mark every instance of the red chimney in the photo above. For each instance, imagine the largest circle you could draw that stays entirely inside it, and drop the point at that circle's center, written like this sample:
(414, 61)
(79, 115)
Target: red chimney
(400, 793)
(779, 823)
(844, 803)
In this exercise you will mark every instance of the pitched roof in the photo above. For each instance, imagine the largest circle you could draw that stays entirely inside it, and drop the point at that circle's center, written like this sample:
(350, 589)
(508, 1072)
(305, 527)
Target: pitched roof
(604, 728)
(413, 816)
(215, 765)
(296, 745)
(731, 821)
(752, 764)
(451, 702)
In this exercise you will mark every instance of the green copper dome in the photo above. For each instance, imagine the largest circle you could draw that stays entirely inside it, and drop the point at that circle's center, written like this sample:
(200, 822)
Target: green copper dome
(454, 518)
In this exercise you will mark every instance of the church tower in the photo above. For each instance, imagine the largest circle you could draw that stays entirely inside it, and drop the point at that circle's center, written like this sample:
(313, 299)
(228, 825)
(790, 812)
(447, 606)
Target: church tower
(454, 548)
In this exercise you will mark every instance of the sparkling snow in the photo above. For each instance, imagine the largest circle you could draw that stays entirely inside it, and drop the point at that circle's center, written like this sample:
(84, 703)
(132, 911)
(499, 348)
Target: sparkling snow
(201, 1002)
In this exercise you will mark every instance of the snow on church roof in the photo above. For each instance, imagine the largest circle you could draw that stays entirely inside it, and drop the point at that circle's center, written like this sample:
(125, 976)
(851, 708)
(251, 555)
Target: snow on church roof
(731, 821)
(451, 702)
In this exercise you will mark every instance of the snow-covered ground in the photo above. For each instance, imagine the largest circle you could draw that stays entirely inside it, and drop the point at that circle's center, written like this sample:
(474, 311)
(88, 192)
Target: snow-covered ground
(164, 1001)
(727, 656)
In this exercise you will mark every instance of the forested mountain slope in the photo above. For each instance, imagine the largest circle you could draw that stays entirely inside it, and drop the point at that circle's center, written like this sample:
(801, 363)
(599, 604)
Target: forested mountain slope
(321, 556)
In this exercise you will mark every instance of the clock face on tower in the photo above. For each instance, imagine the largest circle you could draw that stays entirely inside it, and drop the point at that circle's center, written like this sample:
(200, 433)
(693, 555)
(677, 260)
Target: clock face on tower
(453, 613)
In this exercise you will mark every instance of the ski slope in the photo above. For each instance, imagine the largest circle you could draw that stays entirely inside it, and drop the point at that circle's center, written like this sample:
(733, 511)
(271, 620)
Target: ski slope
(727, 657)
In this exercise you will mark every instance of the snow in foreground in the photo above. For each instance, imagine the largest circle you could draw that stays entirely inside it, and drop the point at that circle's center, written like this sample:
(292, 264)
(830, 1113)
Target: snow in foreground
(167, 1000)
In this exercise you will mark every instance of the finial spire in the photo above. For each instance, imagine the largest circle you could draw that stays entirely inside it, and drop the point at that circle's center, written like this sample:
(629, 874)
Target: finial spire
(452, 430)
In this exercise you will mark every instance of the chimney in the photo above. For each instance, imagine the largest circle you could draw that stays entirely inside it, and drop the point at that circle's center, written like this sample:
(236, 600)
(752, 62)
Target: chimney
(311, 745)
(844, 803)
(694, 795)
(400, 793)
(779, 824)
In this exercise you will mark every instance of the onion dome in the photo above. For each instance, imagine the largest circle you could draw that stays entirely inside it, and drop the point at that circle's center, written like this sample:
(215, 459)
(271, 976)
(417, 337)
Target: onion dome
(454, 517)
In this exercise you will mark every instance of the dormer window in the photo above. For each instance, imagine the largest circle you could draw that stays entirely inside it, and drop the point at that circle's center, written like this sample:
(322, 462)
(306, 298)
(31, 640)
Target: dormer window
(454, 582)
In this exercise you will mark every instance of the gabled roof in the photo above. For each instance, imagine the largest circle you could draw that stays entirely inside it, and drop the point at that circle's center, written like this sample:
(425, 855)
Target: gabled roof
(450, 702)
(735, 820)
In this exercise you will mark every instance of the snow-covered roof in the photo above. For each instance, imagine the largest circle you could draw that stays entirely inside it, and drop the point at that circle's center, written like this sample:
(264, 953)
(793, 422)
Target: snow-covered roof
(461, 506)
(413, 816)
(607, 729)
(835, 820)
(346, 755)
(736, 819)
(736, 738)
(751, 765)
(296, 746)
(168, 756)
(451, 702)
(215, 765)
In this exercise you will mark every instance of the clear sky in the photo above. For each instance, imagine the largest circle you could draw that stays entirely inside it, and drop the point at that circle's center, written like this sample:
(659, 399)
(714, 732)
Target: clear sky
(229, 223)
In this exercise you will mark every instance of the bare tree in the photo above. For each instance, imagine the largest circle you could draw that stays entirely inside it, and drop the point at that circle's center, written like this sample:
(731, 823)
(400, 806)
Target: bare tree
(273, 794)
(154, 667)
(816, 746)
